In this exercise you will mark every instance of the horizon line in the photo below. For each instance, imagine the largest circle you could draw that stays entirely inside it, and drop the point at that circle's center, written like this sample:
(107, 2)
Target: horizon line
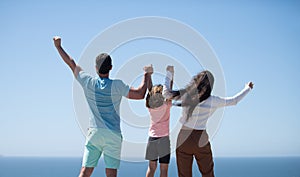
(173, 157)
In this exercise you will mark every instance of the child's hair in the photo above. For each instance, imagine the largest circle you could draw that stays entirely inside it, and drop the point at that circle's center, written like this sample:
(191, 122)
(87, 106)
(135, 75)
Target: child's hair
(198, 90)
(154, 97)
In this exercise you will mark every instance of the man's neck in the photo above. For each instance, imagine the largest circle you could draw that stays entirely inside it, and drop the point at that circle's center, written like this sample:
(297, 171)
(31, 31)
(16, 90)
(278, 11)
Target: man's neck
(104, 75)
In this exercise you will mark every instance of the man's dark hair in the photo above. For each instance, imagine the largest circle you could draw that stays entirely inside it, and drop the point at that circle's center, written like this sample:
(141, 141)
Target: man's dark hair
(103, 63)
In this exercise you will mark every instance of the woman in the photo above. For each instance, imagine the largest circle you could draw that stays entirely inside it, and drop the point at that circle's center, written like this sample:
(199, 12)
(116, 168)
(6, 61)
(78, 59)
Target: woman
(198, 105)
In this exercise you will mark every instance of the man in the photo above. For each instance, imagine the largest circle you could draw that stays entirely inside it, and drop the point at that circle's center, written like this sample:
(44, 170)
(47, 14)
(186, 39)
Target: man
(103, 96)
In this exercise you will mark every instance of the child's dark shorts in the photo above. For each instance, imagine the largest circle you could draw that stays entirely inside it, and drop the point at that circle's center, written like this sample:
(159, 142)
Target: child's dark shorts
(158, 148)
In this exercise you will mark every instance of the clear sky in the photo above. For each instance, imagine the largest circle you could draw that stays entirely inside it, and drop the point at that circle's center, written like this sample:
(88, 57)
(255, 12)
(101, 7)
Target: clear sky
(254, 40)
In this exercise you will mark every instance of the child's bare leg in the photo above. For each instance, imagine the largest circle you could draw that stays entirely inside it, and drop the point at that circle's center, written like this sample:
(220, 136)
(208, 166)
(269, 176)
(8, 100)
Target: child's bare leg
(151, 168)
(164, 169)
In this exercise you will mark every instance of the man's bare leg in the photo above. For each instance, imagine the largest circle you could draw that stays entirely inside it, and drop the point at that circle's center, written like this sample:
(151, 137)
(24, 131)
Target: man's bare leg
(86, 171)
(111, 172)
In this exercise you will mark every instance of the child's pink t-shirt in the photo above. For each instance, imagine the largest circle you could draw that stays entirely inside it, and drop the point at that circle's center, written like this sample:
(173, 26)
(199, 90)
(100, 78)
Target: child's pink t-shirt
(159, 120)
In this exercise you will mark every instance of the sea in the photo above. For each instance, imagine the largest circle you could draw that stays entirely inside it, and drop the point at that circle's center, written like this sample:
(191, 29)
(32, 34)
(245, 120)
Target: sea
(224, 167)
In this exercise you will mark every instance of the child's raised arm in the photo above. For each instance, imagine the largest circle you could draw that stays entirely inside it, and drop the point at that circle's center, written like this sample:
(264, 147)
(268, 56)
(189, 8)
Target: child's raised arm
(149, 80)
(167, 88)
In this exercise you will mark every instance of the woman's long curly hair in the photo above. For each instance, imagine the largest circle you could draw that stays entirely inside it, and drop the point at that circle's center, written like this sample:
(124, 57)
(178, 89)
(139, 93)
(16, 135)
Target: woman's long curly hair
(198, 90)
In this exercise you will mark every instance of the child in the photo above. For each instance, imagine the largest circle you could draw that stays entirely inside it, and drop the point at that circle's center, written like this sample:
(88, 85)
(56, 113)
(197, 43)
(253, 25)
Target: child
(158, 147)
(198, 105)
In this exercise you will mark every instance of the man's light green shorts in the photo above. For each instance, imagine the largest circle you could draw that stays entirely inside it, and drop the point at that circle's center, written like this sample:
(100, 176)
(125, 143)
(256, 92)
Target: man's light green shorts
(100, 140)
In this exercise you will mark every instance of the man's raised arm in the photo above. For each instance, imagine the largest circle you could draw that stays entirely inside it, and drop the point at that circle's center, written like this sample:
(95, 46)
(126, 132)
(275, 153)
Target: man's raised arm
(140, 92)
(67, 58)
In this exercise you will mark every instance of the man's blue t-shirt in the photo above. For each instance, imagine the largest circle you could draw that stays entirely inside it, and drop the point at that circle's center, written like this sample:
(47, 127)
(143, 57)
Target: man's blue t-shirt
(103, 96)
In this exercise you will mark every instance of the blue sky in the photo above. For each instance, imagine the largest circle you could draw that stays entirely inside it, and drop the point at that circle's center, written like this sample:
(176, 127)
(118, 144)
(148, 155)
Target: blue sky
(256, 40)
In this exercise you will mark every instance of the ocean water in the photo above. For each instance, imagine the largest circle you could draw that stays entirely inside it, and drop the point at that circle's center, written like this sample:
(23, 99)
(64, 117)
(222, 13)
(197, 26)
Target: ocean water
(224, 167)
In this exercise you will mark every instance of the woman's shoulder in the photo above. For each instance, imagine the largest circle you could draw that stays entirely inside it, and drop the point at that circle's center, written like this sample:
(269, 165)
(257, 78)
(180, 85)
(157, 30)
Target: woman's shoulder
(210, 100)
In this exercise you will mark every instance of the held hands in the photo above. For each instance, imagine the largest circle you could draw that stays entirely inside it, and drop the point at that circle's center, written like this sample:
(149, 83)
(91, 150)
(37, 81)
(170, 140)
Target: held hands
(250, 84)
(57, 41)
(170, 69)
(148, 69)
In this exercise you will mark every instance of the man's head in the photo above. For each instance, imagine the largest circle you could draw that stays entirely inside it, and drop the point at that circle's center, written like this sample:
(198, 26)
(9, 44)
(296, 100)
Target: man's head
(103, 63)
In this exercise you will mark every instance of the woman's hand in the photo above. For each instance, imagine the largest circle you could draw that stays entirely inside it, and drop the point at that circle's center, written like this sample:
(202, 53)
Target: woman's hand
(250, 84)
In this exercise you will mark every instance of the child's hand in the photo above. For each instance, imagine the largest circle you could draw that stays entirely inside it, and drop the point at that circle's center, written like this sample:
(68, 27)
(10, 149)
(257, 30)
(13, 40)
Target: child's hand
(148, 69)
(170, 68)
(57, 41)
(250, 84)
